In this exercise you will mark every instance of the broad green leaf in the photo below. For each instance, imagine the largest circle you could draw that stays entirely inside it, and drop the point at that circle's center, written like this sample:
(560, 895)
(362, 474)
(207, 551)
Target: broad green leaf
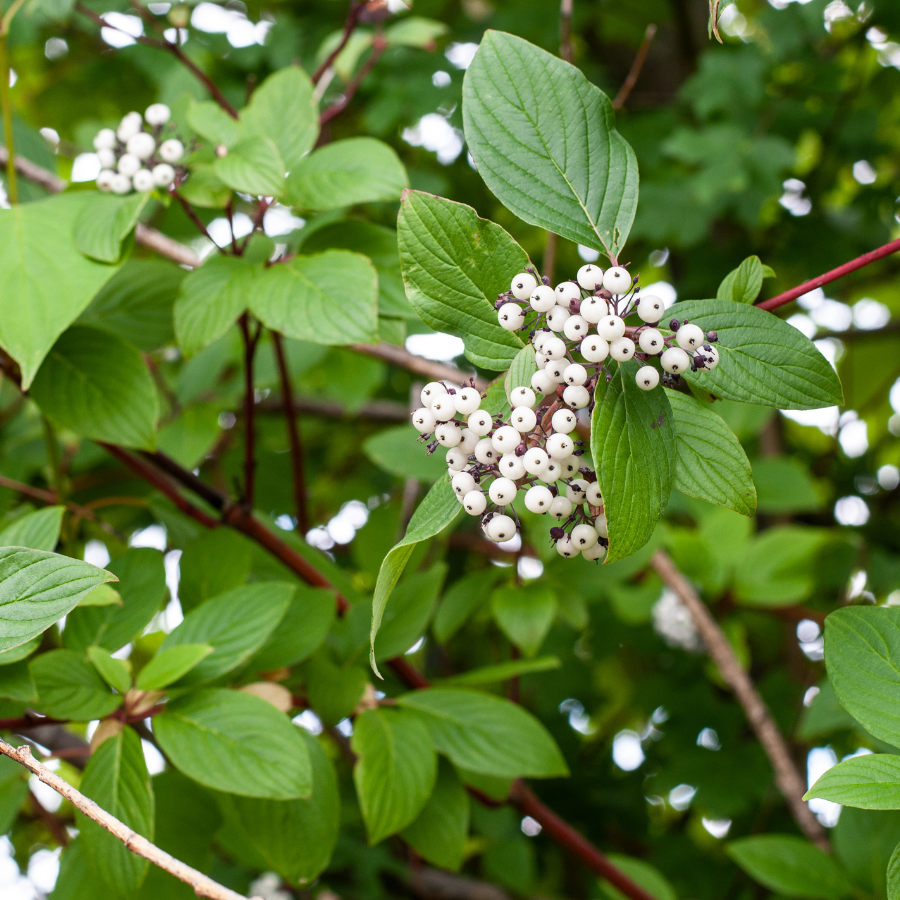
(39, 588)
(333, 691)
(210, 301)
(395, 770)
(285, 110)
(294, 838)
(213, 563)
(210, 121)
(824, 715)
(634, 447)
(400, 452)
(406, 619)
(205, 189)
(237, 743)
(298, 298)
(113, 671)
(13, 790)
(235, 624)
(864, 840)
(345, 173)
(169, 665)
(415, 31)
(454, 266)
(893, 875)
(136, 303)
(744, 283)
(867, 782)
(97, 384)
(762, 359)
(102, 595)
(105, 221)
(790, 866)
(711, 463)
(438, 510)
(862, 653)
(21, 652)
(191, 436)
(521, 370)
(785, 485)
(642, 874)
(45, 282)
(37, 531)
(501, 672)
(17, 683)
(544, 140)
(252, 166)
(69, 687)
(117, 780)
(524, 614)
(461, 600)
(485, 734)
(440, 830)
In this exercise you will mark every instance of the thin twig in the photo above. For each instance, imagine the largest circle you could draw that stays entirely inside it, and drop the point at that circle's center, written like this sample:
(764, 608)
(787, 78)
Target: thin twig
(636, 66)
(398, 356)
(202, 885)
(350, 24)
(378, 47)
(165, 246)
(376, 410)
(566, 51)
(788, 779)
(6, 109)
(249, 409)
(192, 214)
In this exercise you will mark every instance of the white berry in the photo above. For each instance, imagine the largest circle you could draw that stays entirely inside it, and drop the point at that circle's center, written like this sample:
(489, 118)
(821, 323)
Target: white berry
(143, 180)
(522, 396)
(557, 318)
(576, 328)
(523, 285)
(506, 439)
(651, 341)
(105, 139)
(431, 392)
(129, 126)
(690, 337)
(467, 401)
(462, 483)
(542, 383)
(501, 528)
(598, 551)
(647, 378)
(564, 421)
(593, 309)
(675, 360)
(120, 184)
(712, 357)
(576, 490)
(611, 327)
(565, 548)
(523, 419)
(593, 494)
(536, 461)
(543, 298)
(474, 503)
(503, 491)
(141, 145)
(511, 466)
(511, 316)
(651, 308)
(157, 114)
(448, 434)
(171, 151)
(106, 158)
(538, 499)
(569, 466)
(622, 349)
(468, 441)
(539, 338)
(577, 396)
(601, 525)
(553, 472)
(575, 374)
(104, 179)
(555, 370)
(456, 459)
(554, 348)
(480, 423)
(444, 408)
(617, 280)
(561, 508)
(485, 452)
(163, 175)
(129, 164)
(560, 446)
(594, 349)
(590, 277)
(584, 537)
(566, 293)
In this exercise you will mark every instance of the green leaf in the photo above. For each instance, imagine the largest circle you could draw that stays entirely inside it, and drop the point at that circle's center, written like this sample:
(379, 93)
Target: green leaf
(524, 614)
(762, 359)
(252, 166)
(501, 672)
(298, 298)
(634, 447)
(235, 625)
(642, 874)
(45, 282)
(191, 436)
(333, 691)
(17, 683)
(284, 109)
(711, 463)
(399, 452)
(237, 743)
(454, 265)
(395, 771)
(893, 875)
(105, 221)
(70, 688)
(169, 665)
(113, 671)
(294, 838)
(867, 782)
(415, 31)
(439, 832)
(407, 617)
(744, 283)
(21, 652)
(205, 189)
(785, 485)
(37, 531)
(211, 299)
(521, 370)
(97, 385)
(345, 173)
(117, 780)
(438, 510)
(39, 588)
(544, 140)
(791, 866)
(210, 121)
(102, 595)
(461, 600)
(862, 653)
(213, 563)
(485, 734)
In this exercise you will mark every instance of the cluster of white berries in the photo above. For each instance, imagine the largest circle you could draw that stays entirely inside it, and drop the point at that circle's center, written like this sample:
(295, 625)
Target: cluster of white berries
(134, 156)
(560, 322)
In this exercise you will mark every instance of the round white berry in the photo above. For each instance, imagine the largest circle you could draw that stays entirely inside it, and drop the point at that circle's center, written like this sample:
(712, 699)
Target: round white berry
(468, 441)
(143, 180)
(584, 537)
(690, 337)
(106, 158)
(575, 374)
(647, 378)
(506, 439)
(598, 551)
(651, 341)
(601, 525)
(500, 529)
(576, 328)
(157, 114)
(448, 434)
(564, 421)
(120, 184)
(431, 392)
(538, 499)
(594, 349)
(474, 503)
(650, 308)
(555, 369)
(543, 298)
(467, 401)
(560, 446)
(561, 508)
(542, 383)
(462, 483)
(577, 396)
(576, 490)
(566, 293)
(554, 348)
(163, 175)
(566, 549)
(522, 396)
(444, 408)
(712, 357)
(485, 452)
(104, 179)
(536, 461)
(676, 361)
(503, 491)
(171, 151)
(617, 280)
(593, 309)
(622, 349)
(523, 419)
(593, 494)
(552, 473)
(557, 318)
(539, 338)
(480, 423)
(540, 360)
(129, 126)
(456, 459)
(569, 466)
(141, 145)
(129, 164)
(105, 139)
(590, 277)
(611, 327)
(511, 466)
(511, 316)
(523, 285)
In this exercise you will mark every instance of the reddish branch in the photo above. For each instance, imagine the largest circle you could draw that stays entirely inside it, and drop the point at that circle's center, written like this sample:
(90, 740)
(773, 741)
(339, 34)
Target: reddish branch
(250, 342)
(379, 45)
(353, 15)
(636, 66)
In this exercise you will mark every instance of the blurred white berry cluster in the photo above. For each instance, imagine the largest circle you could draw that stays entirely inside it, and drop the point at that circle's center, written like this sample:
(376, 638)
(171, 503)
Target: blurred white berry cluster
(136, 156)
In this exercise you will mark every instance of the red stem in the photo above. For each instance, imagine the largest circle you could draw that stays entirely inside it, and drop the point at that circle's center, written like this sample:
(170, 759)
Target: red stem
(378, 47)
(249, 410)
(349, 27)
